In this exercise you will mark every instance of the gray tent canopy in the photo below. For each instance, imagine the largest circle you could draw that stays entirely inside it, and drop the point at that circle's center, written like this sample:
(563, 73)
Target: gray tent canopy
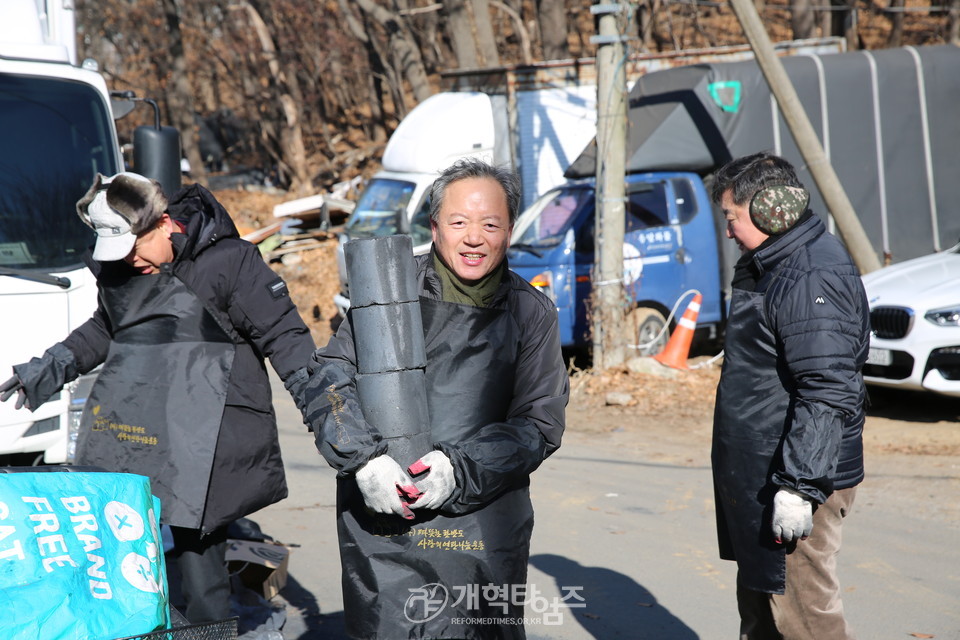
(888, 121)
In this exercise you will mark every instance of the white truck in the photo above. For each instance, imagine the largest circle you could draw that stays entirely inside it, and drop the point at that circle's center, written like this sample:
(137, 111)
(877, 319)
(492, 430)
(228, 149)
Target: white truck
(58, 132)
(452, 125)
(534, 118)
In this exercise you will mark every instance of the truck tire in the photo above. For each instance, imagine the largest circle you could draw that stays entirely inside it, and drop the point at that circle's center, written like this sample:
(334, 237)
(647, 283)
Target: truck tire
(644, 325)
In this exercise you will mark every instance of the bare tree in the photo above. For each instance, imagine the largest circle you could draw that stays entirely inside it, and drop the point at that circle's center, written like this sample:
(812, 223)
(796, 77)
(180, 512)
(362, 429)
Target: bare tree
(843, 22)
(298, 92)
(895, 39)
(484, 39)
(180, 93)
(953, 22)
(375, 77)
(425, 25)
(552, 18)
(209, 17)
(133, 57)
(281, 127)
(403, 48)
(802, 19)
(646, 24)
(460, 28)
(523, 35)
(471, 32)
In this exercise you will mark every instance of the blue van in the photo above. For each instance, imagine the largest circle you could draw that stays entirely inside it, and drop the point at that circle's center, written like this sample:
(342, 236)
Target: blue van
(672, 247)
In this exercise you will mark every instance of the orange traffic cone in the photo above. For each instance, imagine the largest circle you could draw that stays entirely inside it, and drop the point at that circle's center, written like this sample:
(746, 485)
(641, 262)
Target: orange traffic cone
(678, 347)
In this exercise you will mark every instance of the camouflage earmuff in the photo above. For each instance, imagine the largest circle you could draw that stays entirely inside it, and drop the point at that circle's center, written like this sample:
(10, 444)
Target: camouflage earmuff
(776, 209)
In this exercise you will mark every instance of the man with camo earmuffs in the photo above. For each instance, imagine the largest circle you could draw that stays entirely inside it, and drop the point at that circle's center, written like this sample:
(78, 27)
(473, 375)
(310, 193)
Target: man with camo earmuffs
(787, 439)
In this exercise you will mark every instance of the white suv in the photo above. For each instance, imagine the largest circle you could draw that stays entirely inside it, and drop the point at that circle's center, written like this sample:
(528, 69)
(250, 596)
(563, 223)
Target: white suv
(915, 318)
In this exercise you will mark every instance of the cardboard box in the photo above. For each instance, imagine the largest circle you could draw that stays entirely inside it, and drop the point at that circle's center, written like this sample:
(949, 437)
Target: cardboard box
(261, 566)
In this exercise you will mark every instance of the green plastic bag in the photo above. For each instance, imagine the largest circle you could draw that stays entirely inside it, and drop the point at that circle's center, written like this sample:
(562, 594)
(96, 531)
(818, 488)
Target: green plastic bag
(81, 557)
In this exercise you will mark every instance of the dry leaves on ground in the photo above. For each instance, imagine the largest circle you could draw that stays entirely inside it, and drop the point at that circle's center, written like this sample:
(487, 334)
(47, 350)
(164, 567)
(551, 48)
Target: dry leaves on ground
(688, 393)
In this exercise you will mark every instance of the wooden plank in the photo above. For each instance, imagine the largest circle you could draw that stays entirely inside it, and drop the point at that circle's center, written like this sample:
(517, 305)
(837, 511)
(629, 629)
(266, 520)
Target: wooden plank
(311, 206)
(270, 255)
(308, 234)
(259, 235)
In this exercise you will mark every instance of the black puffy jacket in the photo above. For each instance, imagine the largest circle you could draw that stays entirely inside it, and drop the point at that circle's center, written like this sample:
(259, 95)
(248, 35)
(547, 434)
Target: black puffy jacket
(790, 403)
(251, 304)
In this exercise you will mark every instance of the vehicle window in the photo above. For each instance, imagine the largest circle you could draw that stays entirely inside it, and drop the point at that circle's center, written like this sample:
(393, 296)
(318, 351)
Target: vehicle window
(56, 136)
(420, 225)
(686, 199)
(553, 214)
(646, 206)
(377, 210)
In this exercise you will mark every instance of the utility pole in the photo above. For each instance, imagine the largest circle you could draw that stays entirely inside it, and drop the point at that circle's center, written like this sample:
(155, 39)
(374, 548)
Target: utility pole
(608, 341)
(807, 142)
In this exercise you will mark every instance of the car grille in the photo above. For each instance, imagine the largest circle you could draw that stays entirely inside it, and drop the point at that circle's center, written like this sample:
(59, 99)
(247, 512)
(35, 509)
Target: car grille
(891, 323)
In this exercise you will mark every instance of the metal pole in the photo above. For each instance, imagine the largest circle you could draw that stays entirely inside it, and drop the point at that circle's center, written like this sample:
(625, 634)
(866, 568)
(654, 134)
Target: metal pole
(608, 343)
(810, 148)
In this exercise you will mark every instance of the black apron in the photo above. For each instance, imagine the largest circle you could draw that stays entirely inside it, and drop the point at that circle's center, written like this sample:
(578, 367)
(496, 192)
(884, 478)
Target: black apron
(409, 579)
(157, 404)
(751, 410)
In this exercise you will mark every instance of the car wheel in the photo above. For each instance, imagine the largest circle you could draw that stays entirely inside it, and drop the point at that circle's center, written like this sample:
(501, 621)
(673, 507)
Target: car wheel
(645, 327)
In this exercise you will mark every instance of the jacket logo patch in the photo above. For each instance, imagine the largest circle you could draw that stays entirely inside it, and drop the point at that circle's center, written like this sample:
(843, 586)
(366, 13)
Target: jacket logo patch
(820, 300)
(277, 289)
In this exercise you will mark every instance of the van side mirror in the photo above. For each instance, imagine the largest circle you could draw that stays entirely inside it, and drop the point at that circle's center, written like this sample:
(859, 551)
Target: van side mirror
(156, 152)
(402, 223)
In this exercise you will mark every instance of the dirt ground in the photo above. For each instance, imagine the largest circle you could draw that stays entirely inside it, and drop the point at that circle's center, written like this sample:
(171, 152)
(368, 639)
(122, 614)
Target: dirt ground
(667, 412)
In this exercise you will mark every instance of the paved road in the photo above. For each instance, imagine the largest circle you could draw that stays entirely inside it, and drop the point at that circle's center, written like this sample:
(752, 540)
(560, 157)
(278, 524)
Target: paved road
(637, 534)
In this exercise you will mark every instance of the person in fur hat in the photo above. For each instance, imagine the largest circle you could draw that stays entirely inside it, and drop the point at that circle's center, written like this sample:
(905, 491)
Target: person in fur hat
(187, 312)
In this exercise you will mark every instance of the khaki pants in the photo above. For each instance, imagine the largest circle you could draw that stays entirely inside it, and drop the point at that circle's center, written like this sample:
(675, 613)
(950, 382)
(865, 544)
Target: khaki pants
(810, 607)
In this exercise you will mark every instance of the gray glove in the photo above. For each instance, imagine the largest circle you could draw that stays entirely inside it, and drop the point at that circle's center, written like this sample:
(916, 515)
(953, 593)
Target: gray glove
(792, 516)
(439, 483)
(42, 377)
(382, 482)
(11, 386)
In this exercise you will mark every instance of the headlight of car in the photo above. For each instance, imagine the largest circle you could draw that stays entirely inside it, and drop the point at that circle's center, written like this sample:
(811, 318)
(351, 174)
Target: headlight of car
(945, 317)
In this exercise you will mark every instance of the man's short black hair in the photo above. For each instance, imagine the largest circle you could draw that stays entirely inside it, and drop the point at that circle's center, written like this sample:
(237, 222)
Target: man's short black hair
(747, 175)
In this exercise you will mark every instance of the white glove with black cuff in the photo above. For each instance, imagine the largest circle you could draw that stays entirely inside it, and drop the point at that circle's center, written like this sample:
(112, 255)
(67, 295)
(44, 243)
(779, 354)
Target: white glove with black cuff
(792, 515)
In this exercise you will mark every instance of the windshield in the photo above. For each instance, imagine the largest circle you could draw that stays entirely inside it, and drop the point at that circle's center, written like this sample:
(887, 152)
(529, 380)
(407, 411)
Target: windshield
(552, 215)
(377, 210)
(56, 137)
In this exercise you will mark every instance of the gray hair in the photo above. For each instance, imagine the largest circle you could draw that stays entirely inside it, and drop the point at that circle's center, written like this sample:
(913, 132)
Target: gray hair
(476, 168)
(747, 175)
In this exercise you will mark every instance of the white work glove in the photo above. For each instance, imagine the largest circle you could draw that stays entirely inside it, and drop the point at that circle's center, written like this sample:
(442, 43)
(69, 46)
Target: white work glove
(14, 386)
(382, 482)
(792, 516)
(439, 483)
